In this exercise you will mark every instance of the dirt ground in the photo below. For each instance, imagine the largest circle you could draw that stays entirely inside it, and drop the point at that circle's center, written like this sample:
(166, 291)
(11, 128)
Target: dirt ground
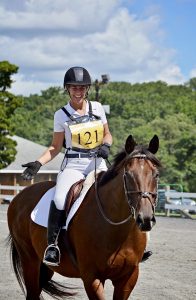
(170, 274)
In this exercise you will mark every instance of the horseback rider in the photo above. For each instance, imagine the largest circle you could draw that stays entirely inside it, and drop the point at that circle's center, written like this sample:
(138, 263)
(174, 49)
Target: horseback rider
(81, 127)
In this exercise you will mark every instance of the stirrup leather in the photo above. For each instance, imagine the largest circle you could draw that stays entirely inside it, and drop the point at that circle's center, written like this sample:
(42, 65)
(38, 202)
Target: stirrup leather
(59, 255)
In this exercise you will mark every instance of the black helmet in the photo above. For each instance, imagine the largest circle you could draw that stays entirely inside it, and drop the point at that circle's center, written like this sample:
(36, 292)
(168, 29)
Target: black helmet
(77, 76)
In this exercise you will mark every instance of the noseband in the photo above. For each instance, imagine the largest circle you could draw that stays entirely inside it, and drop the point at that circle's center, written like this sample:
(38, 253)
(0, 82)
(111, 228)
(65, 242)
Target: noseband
(128, 193)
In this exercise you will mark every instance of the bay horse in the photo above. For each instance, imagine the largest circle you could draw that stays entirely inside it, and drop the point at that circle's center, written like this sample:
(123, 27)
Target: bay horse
(107, 234)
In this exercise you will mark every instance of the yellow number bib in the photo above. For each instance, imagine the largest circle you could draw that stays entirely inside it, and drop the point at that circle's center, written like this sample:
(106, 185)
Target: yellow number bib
(87, 135)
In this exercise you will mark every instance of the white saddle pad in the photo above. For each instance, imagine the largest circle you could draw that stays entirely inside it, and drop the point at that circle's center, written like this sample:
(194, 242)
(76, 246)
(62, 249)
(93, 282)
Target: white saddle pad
(40, 213)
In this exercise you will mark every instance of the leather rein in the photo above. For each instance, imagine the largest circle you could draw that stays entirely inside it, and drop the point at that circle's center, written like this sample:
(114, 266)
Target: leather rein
(128, 193)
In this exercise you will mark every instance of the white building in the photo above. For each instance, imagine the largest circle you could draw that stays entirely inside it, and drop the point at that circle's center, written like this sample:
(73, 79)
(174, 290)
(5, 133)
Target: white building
(28, 151)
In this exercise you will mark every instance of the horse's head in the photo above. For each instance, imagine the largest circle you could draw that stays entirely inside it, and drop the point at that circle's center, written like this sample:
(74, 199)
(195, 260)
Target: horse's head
(140, 180)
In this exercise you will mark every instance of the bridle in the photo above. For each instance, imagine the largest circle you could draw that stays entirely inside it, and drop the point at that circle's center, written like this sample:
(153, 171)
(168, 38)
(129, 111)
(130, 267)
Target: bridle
(142, 194)
(128, 193)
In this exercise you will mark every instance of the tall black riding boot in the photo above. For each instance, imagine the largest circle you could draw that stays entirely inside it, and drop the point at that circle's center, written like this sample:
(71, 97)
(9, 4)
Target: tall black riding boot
(55, 222)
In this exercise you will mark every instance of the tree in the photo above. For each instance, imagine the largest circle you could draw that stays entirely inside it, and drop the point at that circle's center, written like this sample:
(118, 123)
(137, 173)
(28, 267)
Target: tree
(8, 104)
(141, 109)
(192, 83)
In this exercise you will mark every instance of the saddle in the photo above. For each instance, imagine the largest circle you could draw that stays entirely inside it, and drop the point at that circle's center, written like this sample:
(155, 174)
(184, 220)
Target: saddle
(73, 194)
(81, 185)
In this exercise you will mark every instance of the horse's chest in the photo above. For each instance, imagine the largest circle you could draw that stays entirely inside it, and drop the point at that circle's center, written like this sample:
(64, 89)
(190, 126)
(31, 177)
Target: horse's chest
(121, 259)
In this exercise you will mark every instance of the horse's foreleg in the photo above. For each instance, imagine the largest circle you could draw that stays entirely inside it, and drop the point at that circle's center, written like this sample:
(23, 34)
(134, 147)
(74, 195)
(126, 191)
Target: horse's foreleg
(94, 289)
(124, 286)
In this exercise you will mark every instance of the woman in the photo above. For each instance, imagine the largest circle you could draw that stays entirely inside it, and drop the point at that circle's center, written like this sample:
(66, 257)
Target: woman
(82, 125)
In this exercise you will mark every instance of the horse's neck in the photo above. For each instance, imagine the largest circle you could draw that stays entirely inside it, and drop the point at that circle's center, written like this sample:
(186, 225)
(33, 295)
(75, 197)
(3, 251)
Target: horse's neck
(113, 195)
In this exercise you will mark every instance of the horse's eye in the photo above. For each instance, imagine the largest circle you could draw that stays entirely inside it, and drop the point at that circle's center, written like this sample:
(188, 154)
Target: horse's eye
(156, 175)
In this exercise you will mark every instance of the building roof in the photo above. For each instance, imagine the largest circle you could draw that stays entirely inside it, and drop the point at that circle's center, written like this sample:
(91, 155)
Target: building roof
(28, 151)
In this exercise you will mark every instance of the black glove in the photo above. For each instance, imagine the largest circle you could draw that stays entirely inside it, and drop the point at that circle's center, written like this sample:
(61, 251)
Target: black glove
(31, 170)
(103, 151)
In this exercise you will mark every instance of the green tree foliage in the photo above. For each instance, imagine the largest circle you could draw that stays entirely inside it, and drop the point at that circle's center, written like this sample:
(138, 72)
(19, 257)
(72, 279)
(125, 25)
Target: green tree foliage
(157, 108)
(8, 105)
(139, 109)
(192, 83)
(34, 120)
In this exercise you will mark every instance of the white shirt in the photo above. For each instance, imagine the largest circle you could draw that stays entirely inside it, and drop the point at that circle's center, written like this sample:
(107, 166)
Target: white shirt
(61, 119)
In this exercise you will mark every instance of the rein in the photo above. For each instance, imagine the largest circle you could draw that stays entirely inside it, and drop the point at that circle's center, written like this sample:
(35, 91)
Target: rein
(143, 194)
(101, 208)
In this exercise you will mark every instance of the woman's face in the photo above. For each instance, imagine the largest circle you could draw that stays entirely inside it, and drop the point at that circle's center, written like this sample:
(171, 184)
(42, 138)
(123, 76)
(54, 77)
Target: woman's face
(77, 93)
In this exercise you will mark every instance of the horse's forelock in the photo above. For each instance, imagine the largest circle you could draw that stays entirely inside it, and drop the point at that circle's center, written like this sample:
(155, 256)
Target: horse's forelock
(140, 149)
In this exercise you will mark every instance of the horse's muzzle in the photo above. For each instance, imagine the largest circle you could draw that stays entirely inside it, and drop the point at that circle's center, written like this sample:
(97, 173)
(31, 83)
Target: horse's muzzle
(145, 223)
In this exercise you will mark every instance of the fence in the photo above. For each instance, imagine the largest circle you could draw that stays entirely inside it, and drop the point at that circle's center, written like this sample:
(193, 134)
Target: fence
(8, 197)
(168, 205)
(182, 208)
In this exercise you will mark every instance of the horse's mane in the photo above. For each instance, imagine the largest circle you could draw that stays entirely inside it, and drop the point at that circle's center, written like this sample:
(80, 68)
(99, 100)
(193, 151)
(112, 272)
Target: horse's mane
(120, 160)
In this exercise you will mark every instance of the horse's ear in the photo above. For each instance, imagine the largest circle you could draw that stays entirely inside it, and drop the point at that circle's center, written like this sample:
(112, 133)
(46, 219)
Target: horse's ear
(154, 144)
(130, 144)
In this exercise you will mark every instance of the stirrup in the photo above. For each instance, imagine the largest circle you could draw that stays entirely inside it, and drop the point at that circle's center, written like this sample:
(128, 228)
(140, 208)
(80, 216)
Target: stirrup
(57, 263)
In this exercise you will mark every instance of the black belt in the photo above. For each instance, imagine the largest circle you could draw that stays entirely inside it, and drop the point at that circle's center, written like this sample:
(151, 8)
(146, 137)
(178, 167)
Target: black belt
(79, 155)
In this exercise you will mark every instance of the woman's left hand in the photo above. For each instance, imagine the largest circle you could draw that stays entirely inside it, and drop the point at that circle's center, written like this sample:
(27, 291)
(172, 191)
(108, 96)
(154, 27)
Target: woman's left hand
(103, 151)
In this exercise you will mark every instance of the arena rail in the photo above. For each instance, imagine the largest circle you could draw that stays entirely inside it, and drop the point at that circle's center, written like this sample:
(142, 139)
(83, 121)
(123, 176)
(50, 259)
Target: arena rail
(6, 197)
(183, 209)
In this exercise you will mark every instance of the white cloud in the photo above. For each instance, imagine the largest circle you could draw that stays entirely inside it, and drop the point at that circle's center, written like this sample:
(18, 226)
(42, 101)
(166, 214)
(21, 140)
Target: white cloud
(99, 35)
(60, 14)
(171, 74)
(29, 20)
(192, 73)
(25, 87)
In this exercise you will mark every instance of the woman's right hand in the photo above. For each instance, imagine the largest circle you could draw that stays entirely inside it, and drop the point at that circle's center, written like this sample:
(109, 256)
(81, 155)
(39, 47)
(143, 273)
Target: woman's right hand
(31, 170)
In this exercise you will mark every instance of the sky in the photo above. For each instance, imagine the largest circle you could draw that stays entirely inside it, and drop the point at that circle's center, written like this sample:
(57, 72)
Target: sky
(130, 40)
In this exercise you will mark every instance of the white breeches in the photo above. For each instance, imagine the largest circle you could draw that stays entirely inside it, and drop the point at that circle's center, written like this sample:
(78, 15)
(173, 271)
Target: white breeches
(75, 170)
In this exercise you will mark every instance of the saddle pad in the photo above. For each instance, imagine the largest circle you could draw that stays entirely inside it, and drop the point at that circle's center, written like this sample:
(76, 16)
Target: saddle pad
(40, 213)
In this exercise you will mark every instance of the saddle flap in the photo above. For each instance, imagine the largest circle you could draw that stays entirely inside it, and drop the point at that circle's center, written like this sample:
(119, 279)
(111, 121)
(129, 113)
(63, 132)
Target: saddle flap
(73, 194)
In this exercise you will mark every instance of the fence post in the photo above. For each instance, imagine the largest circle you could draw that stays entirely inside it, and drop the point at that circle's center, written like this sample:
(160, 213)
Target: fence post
(167, 211)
